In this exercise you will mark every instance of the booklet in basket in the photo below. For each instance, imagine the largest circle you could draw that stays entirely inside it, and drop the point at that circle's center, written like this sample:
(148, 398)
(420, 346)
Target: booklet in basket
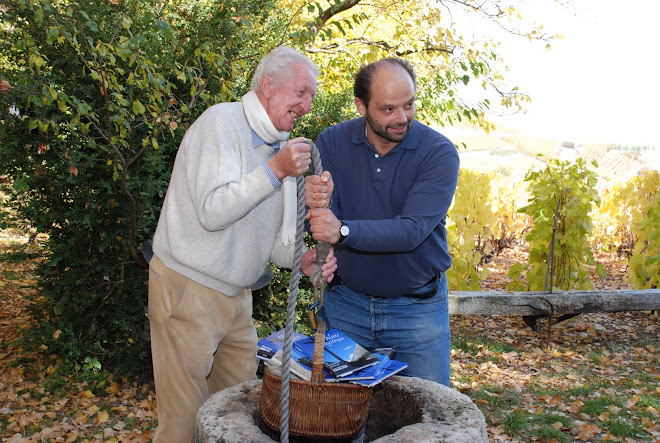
(342, 355)
(384, 354)
(392, 367)
(268, 346)
(301, 365)
(370, 372)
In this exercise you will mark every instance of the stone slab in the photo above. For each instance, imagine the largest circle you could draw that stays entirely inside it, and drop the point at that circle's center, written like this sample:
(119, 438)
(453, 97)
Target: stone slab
(403, 409)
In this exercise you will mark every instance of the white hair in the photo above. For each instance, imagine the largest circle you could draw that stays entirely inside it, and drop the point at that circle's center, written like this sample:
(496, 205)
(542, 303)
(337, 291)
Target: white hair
(278, 65)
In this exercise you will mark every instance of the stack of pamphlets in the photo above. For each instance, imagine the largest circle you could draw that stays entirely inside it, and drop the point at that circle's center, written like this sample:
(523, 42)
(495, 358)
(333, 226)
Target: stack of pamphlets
(274, 342)
(344, 359)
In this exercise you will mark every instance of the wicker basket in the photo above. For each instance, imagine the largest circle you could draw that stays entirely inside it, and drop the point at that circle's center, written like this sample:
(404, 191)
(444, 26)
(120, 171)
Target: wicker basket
(316, 408)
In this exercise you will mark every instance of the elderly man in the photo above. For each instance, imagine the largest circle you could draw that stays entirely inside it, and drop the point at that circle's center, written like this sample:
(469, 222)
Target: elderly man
(229, 210)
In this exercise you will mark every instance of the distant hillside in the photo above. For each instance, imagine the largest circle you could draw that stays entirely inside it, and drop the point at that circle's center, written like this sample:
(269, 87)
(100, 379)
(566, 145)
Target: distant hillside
(513, 153)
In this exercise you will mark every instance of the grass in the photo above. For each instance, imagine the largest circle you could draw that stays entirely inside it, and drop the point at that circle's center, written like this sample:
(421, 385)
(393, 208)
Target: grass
(596, 356)
(579, 386)
(647, 401)
(597, 406)
(548, 433)
(515, 421)
(498, 397)
(503, 407)
(620, 427)
(473, 345)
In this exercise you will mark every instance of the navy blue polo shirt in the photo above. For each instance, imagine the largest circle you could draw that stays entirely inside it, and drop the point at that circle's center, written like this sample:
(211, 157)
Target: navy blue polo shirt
(395, 206)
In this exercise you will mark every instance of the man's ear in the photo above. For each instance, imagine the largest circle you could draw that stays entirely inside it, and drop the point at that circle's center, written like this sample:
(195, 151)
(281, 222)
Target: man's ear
(266, 85)
(361, 107)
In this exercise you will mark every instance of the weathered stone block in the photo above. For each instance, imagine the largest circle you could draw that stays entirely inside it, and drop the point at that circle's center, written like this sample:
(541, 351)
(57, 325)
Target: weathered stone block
(403, 409)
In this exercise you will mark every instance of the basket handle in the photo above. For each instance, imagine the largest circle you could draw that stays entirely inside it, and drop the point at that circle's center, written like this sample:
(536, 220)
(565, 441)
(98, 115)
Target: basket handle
(319, 350)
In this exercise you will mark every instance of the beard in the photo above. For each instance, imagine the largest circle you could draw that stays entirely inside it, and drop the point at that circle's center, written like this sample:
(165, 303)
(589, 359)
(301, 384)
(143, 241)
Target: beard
(382, 131)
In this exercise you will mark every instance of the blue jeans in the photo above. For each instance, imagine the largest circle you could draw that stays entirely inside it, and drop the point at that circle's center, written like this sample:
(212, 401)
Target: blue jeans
(419, 329)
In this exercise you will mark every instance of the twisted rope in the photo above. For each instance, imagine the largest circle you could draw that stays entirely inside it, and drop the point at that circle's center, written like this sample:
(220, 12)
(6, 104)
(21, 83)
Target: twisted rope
(322, 250)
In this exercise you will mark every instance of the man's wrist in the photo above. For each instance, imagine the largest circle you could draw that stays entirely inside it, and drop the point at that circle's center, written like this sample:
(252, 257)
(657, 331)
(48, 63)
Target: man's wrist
(276, 182)
(275, 169)
(344, 232)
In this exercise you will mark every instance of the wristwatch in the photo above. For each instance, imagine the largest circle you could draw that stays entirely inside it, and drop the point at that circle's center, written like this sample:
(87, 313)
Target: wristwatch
(343, 232)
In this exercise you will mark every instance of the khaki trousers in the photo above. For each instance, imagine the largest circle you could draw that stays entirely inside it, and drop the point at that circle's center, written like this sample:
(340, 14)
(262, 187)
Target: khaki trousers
(202, 341)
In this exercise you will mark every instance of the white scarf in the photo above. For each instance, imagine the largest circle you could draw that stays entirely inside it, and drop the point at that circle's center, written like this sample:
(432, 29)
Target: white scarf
(261, 124)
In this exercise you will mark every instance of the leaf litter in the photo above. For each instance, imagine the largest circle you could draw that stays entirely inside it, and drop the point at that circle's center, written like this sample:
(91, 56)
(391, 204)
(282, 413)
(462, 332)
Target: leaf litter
(580, 378)
(37, 406)
(598, 372)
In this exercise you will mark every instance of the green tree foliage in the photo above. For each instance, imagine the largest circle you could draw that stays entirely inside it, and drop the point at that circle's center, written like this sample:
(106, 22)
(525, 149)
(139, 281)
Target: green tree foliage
(510, 225)
(101, 93)
(627, 223)
(562, 198)
(643, 196)
(270, 303)
(468, 230)
(612, 222)
(95, 97)
(346, 33)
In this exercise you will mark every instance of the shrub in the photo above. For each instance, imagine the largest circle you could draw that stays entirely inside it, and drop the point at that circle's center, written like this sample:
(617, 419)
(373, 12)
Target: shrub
(469, 219)
(97, 96)
(562, 197)
(644, 262)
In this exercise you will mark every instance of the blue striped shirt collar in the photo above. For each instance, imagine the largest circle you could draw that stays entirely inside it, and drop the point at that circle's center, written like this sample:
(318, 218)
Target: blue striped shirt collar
(258, 141)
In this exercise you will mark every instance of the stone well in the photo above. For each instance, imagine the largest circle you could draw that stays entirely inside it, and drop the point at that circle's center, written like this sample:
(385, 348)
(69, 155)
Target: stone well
(403, 409)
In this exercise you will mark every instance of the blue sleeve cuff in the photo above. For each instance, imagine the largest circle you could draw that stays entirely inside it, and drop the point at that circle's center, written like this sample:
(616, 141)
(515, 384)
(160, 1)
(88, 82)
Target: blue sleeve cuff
(353, 232)
(276, 182)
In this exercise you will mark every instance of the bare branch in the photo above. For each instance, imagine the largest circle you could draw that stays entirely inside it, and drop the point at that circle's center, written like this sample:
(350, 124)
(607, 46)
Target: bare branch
(336, 48)
(334, 10)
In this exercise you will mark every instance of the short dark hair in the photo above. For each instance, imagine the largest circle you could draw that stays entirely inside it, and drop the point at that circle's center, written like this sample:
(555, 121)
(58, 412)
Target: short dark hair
(365, 76)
